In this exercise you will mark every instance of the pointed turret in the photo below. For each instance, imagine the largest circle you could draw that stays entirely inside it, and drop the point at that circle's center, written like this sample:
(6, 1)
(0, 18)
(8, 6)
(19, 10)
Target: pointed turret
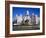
(32, 14)
(16, 15)
(21, 15)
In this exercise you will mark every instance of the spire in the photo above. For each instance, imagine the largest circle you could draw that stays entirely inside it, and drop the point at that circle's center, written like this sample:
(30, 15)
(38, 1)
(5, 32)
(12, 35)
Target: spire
(33, 14)
(27, 12)
(36, 15)
(16, 15)
(20, 14)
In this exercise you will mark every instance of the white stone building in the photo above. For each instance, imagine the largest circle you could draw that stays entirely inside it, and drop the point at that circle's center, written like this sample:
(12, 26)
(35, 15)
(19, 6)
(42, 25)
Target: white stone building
(31, 19)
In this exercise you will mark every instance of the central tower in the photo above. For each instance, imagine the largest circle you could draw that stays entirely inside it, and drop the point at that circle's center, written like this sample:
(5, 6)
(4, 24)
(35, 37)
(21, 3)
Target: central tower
(27, 12)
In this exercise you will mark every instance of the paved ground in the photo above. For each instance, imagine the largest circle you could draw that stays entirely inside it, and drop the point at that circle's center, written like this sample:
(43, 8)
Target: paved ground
(26, 27)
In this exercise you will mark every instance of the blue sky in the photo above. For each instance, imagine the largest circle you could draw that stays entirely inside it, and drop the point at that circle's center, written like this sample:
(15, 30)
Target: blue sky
(23, 11)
